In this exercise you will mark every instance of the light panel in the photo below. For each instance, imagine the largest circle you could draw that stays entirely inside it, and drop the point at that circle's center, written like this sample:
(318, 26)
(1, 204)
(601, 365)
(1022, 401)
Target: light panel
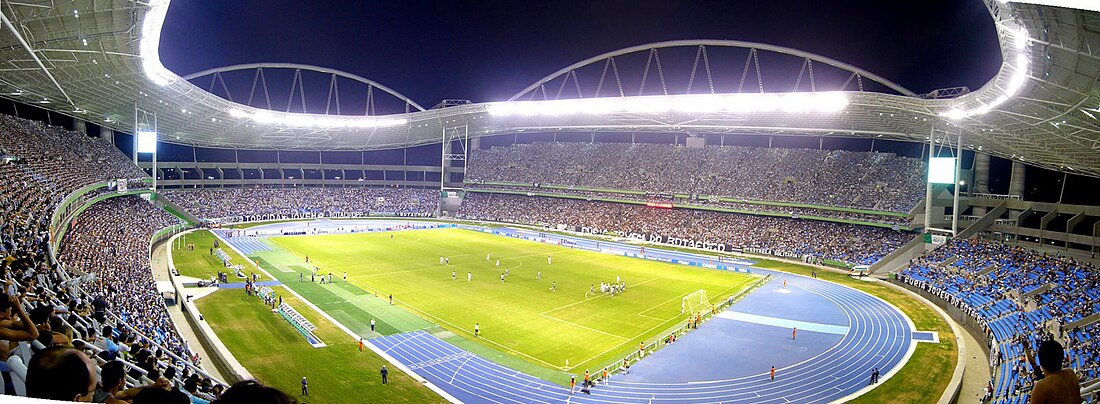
(822, 102)
(941, 170)
(146, 142)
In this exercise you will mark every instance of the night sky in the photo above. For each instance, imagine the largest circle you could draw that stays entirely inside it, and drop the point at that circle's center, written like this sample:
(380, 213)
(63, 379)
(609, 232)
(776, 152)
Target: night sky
(489, 50)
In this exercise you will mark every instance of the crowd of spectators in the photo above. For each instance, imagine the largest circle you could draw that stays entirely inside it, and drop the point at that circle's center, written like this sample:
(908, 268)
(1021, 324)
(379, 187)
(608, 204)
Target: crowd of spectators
(66, 159)
(111, 240)
(770, 235)
(1020, 297)
(229, 203)
(867, 180)
(93, 326)
(712, 202)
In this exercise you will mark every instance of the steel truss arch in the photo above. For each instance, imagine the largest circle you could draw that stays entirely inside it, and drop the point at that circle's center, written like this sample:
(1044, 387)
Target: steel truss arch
(754, 47)
(312, 68)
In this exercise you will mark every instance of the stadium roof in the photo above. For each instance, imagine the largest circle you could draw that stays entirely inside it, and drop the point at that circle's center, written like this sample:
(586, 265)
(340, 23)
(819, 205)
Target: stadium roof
(98, 61)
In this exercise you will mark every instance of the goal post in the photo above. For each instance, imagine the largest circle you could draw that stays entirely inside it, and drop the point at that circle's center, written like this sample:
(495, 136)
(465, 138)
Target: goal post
(694, 302)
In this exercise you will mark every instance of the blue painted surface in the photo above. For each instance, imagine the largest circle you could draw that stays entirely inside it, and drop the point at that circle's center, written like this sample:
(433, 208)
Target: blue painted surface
(923, 336)
(723, 361)
(240, 285)
(783, 323)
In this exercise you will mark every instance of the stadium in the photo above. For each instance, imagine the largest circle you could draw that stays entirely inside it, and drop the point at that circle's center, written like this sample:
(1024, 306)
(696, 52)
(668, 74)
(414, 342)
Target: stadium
(666, 220)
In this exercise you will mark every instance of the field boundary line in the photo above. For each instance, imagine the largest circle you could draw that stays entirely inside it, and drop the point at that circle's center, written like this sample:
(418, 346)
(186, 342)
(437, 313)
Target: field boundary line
(384, 355)
(505, 348)
(581, 326)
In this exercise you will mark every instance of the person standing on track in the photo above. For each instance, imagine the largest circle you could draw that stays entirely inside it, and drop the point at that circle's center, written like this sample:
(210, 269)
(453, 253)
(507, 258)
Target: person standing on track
(794, 333)
(372, 325)
(572, 384)
(605, 376)
(773, 373)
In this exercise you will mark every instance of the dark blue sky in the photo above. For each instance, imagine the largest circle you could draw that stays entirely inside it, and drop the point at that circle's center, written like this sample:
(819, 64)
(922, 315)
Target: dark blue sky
(489, 50)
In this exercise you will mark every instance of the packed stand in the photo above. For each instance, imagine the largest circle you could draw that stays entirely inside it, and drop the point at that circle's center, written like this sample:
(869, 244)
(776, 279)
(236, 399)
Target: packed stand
(769, 235)
(866, 180)
(1020, 297)
(66, 159)
(708, 202)
(236, 204)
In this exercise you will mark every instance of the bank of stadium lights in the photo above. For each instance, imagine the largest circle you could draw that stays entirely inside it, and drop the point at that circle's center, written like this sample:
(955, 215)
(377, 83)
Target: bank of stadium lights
(313, 121)
(150, 44)
(701, 103)
(1019, 77)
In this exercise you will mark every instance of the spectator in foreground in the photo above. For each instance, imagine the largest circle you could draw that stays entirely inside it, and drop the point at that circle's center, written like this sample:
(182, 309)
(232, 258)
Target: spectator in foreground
(1056, 385)
(252, 392)
(11, 311)
(61, 373)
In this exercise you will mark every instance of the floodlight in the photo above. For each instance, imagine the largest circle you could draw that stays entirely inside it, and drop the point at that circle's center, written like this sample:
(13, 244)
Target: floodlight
(941, 170)
(146, 142)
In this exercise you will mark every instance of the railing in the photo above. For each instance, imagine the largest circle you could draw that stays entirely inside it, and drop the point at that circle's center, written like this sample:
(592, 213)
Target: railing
(63, 216)
(995, 196)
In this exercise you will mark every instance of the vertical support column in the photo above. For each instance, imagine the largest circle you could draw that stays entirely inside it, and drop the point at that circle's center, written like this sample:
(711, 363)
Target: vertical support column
(928, 184)
(79, 126)
(981, 179)
(107, 133)
(957, 186)
(1016, 181)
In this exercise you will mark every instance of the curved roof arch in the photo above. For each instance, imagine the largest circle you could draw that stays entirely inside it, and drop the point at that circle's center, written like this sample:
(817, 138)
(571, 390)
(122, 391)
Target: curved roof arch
(312, 68)
(716, 43)
(1040, 108)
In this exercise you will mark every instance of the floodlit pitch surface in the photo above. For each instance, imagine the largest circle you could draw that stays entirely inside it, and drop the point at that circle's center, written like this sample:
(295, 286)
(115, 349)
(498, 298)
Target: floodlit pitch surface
(521, 316)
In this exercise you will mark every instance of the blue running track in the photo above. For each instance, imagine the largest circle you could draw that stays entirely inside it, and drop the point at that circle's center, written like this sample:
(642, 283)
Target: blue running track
(878, 335)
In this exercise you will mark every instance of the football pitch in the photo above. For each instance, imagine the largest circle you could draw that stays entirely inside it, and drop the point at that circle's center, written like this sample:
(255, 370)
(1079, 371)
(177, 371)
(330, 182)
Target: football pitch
(564, 327)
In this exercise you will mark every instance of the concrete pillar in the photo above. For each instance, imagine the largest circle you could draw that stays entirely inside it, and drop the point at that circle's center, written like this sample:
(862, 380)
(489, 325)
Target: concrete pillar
(1016, 183)
(981, 179)
(108, 134)
(78, 125)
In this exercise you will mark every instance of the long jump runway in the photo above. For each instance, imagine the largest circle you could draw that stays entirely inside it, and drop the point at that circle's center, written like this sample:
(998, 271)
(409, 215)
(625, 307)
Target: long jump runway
(843, 334)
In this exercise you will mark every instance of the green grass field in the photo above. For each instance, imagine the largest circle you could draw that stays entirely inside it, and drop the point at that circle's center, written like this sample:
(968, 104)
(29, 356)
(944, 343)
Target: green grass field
(521, 316)
(279, 356)
(199, 263)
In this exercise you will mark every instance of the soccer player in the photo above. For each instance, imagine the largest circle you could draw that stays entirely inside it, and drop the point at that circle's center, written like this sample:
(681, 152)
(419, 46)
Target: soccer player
(440, 260)
(554, 286)
(487, 257)
(502, 278)
(477, 329)
(592, 289)
(498, 263)
(547, 260)
(391, 299)
(469, 276)
(538, 275)
(345, 277)
(505, 271)
(452, 275)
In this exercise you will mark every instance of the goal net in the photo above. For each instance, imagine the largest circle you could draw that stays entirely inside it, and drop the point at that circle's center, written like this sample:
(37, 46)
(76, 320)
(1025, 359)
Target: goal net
(695, 302)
